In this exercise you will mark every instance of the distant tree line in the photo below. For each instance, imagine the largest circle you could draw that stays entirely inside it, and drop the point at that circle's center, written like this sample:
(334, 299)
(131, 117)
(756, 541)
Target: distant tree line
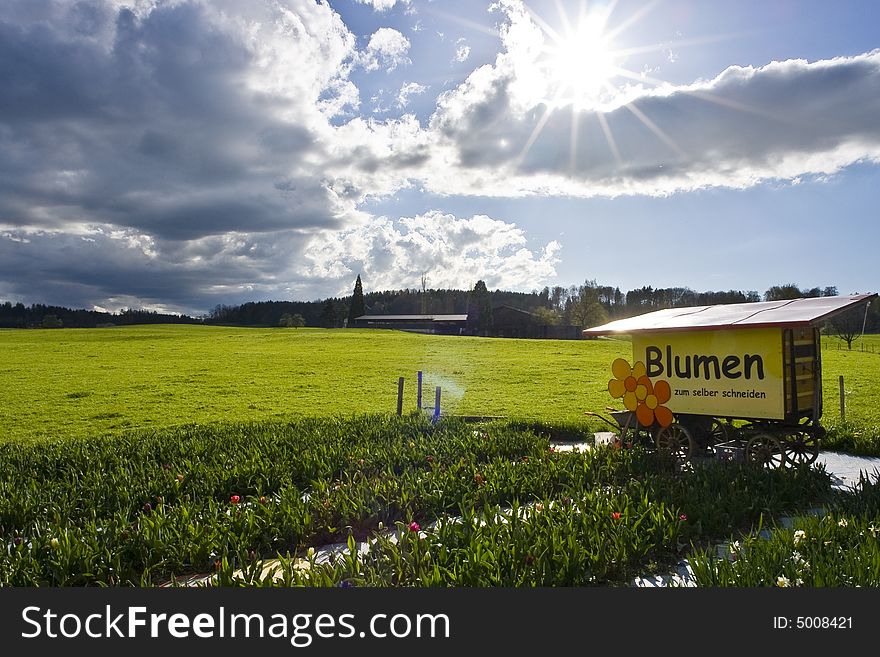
(42, 316)
(585, 305)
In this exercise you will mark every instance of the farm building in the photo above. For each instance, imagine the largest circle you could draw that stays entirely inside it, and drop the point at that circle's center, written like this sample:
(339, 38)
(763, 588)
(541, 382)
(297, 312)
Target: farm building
(510, 322)
(438, 324)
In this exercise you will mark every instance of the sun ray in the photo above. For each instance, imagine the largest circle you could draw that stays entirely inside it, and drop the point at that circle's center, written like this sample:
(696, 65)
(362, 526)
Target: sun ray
(609, 138)
(572, 159)
(686, 43)
(640, 77)
(634, 17)
(653, 127)
(461, 21)
(709, 97)
(563, 18)
(703, 94)
(545, 26)
(536, 132)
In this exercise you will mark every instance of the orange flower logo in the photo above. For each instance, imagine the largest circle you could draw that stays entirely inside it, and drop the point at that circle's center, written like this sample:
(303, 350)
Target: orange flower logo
(640, 394)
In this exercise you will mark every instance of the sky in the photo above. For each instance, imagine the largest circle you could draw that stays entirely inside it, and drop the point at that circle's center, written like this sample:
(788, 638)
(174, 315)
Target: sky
(178, 154)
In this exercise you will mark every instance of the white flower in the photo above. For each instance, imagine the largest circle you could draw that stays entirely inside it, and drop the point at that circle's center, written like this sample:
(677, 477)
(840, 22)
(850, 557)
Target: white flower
(310, 552)
(874, 530)
(798, 559)
(782, 580)
(799, 535)
(842, 522)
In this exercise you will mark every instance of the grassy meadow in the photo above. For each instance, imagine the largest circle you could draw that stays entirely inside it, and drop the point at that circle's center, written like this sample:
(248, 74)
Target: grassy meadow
(136, 456)
(85, 382)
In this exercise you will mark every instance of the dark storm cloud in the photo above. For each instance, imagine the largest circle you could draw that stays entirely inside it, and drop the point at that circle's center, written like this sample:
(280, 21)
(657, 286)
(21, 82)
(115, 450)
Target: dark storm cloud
(151, 127)
(123, 268)
(165, 154)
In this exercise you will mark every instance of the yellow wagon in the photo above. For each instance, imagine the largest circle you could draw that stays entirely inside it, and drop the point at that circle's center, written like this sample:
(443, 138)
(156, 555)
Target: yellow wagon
(742, 379)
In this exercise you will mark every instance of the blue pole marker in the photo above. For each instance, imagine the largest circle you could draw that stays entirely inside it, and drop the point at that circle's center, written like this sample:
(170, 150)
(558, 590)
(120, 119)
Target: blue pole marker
(436, 405)
(419, 392)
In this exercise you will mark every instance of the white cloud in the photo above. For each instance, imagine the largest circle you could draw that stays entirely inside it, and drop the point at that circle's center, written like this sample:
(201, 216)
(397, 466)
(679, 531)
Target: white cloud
(407, 90)
(383, 5)
(747, 125)
(462, 51)
(454, 252)
(387, 48)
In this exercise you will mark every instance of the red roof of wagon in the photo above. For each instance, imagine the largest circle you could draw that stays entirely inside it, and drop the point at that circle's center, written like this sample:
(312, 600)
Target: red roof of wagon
(788, 313)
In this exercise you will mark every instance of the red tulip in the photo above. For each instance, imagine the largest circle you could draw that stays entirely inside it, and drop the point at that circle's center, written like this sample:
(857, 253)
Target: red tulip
(616, 515)
(414, 526)
(682, 517)
(235, 499)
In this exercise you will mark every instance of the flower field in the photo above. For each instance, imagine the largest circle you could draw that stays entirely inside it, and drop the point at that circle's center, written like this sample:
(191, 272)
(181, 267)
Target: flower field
(478, 506)
(840, 548)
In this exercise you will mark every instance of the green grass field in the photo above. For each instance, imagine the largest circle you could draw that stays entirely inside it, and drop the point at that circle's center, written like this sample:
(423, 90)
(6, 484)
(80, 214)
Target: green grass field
(74, 383)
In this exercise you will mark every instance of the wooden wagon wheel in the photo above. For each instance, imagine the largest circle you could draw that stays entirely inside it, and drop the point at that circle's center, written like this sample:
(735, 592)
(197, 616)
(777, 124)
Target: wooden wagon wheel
(801, 448)
(718, 432)
(765, 450)
(675, 440)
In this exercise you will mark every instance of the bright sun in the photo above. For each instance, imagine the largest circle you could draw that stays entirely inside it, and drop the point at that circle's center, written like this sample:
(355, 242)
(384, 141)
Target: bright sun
(580, 64)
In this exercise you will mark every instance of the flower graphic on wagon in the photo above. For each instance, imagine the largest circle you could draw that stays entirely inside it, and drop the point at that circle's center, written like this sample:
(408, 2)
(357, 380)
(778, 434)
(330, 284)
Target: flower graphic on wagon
(639, 394)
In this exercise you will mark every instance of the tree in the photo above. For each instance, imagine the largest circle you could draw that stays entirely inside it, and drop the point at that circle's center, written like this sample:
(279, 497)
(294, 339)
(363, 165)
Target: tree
(424, 308)
(558, 296)
(586, 309)
(356, 308)
(545, 316)
(782, 292)
(848, 326)
(292, 320)
(328, 314)
(479, 310)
